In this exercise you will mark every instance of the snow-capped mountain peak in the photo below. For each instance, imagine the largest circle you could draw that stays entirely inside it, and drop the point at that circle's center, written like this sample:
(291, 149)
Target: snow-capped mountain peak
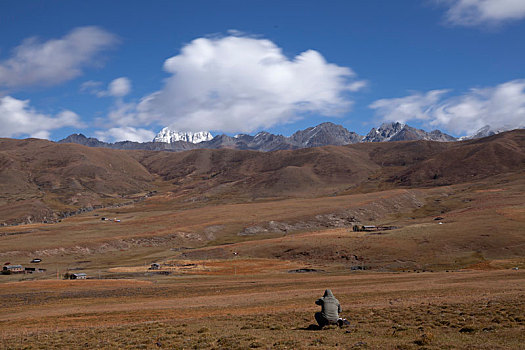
(169, 136)
(488, 130)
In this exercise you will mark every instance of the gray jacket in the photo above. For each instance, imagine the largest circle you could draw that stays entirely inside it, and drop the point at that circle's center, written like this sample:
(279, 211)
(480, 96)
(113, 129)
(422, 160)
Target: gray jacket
(330, 306)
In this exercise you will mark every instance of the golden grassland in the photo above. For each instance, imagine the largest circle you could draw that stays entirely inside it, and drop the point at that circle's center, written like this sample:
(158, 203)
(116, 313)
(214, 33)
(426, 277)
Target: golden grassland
(434, 284)
(469, 309)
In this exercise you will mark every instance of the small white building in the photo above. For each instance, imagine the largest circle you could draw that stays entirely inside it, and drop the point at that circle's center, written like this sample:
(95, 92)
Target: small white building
(9, 269)
(78, 276)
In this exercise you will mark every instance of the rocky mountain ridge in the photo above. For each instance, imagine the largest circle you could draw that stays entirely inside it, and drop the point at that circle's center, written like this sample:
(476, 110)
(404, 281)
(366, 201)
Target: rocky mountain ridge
(401, 132)
(324, 134)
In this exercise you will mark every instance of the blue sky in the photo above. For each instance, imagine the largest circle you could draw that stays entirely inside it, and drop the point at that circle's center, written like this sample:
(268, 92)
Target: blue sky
(124, 69)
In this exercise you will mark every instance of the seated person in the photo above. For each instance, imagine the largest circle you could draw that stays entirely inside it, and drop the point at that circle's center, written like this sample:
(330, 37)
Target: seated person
(330, 309)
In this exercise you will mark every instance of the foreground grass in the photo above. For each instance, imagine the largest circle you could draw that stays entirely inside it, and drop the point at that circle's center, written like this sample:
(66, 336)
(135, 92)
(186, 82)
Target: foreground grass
(493, 324)
(464, 310)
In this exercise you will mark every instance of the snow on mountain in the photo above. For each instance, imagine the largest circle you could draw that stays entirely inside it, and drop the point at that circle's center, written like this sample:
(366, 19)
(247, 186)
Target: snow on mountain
(385, 132)
(487, 130)
(169, 136)
(321, 135)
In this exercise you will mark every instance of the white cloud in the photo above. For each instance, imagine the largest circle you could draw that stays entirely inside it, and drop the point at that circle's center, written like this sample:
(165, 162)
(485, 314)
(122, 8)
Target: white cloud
(241, 84)
(54, 61)
(92, 87)
(124, 120)
(476, 12)
(126, 114)
(416, 106)
(19, 119)
(502, 106)
(126, 133)
(119, 87)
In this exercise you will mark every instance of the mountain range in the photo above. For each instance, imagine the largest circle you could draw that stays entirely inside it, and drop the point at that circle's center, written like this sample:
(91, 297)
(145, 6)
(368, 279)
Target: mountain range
(45, 181)
(324, 134)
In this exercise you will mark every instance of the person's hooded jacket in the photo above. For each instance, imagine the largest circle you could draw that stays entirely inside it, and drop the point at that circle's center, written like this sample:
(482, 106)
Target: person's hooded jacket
(330, 306)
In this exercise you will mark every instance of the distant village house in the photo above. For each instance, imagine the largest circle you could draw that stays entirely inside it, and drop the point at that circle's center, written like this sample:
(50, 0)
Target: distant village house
(10, 269)
(34, 270)
(154, 266)
(78, 276)
(372, 228)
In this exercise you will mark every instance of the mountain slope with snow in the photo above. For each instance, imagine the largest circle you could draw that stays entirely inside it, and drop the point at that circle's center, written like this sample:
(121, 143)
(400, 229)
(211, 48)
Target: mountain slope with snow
(487, 130)
(169, 136)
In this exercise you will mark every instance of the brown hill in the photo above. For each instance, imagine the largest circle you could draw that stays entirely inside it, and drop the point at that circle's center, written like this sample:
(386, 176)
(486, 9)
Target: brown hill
(40, 179)
(249, 174)
(331, 169)
(467, 161)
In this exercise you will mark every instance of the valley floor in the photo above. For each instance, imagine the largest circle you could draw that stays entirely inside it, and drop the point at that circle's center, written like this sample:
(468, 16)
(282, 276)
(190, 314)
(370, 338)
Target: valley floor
(438, 310)
(237, 275)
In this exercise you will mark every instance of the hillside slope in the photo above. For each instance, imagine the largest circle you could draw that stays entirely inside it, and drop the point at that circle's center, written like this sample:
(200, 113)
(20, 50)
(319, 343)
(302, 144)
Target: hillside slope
(331, 169)
(468, 161)
(39, 180)
(298, 173)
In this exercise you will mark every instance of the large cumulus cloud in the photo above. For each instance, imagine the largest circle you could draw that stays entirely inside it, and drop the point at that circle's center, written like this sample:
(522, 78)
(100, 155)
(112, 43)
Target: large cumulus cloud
(241, 84)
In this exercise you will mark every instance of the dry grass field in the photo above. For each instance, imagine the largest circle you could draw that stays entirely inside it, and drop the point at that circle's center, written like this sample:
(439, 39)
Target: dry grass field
(243, 271)
(465, 310)
(430, 285)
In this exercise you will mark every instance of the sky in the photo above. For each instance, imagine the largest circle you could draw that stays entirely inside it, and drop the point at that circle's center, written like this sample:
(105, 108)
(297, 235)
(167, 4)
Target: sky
(123, 70)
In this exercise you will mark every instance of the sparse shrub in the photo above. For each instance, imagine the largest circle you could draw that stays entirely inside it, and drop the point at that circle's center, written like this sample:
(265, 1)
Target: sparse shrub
(203, 330)
(467, 329)
(285, 344)
(255, 344)
(228, 342)
(424, 339)
(318, 342)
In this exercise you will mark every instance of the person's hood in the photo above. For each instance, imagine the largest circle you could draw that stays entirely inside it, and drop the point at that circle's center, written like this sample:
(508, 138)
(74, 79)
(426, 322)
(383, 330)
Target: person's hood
(328, 293)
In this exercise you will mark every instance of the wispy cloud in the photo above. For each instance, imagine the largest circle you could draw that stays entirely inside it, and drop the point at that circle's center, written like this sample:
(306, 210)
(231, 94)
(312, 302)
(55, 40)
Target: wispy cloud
(18, 118)
(54, 61)
(119, 87)
(92, 87)
(478, 12)
(416, 106)
(126, 133)
(502, 106)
